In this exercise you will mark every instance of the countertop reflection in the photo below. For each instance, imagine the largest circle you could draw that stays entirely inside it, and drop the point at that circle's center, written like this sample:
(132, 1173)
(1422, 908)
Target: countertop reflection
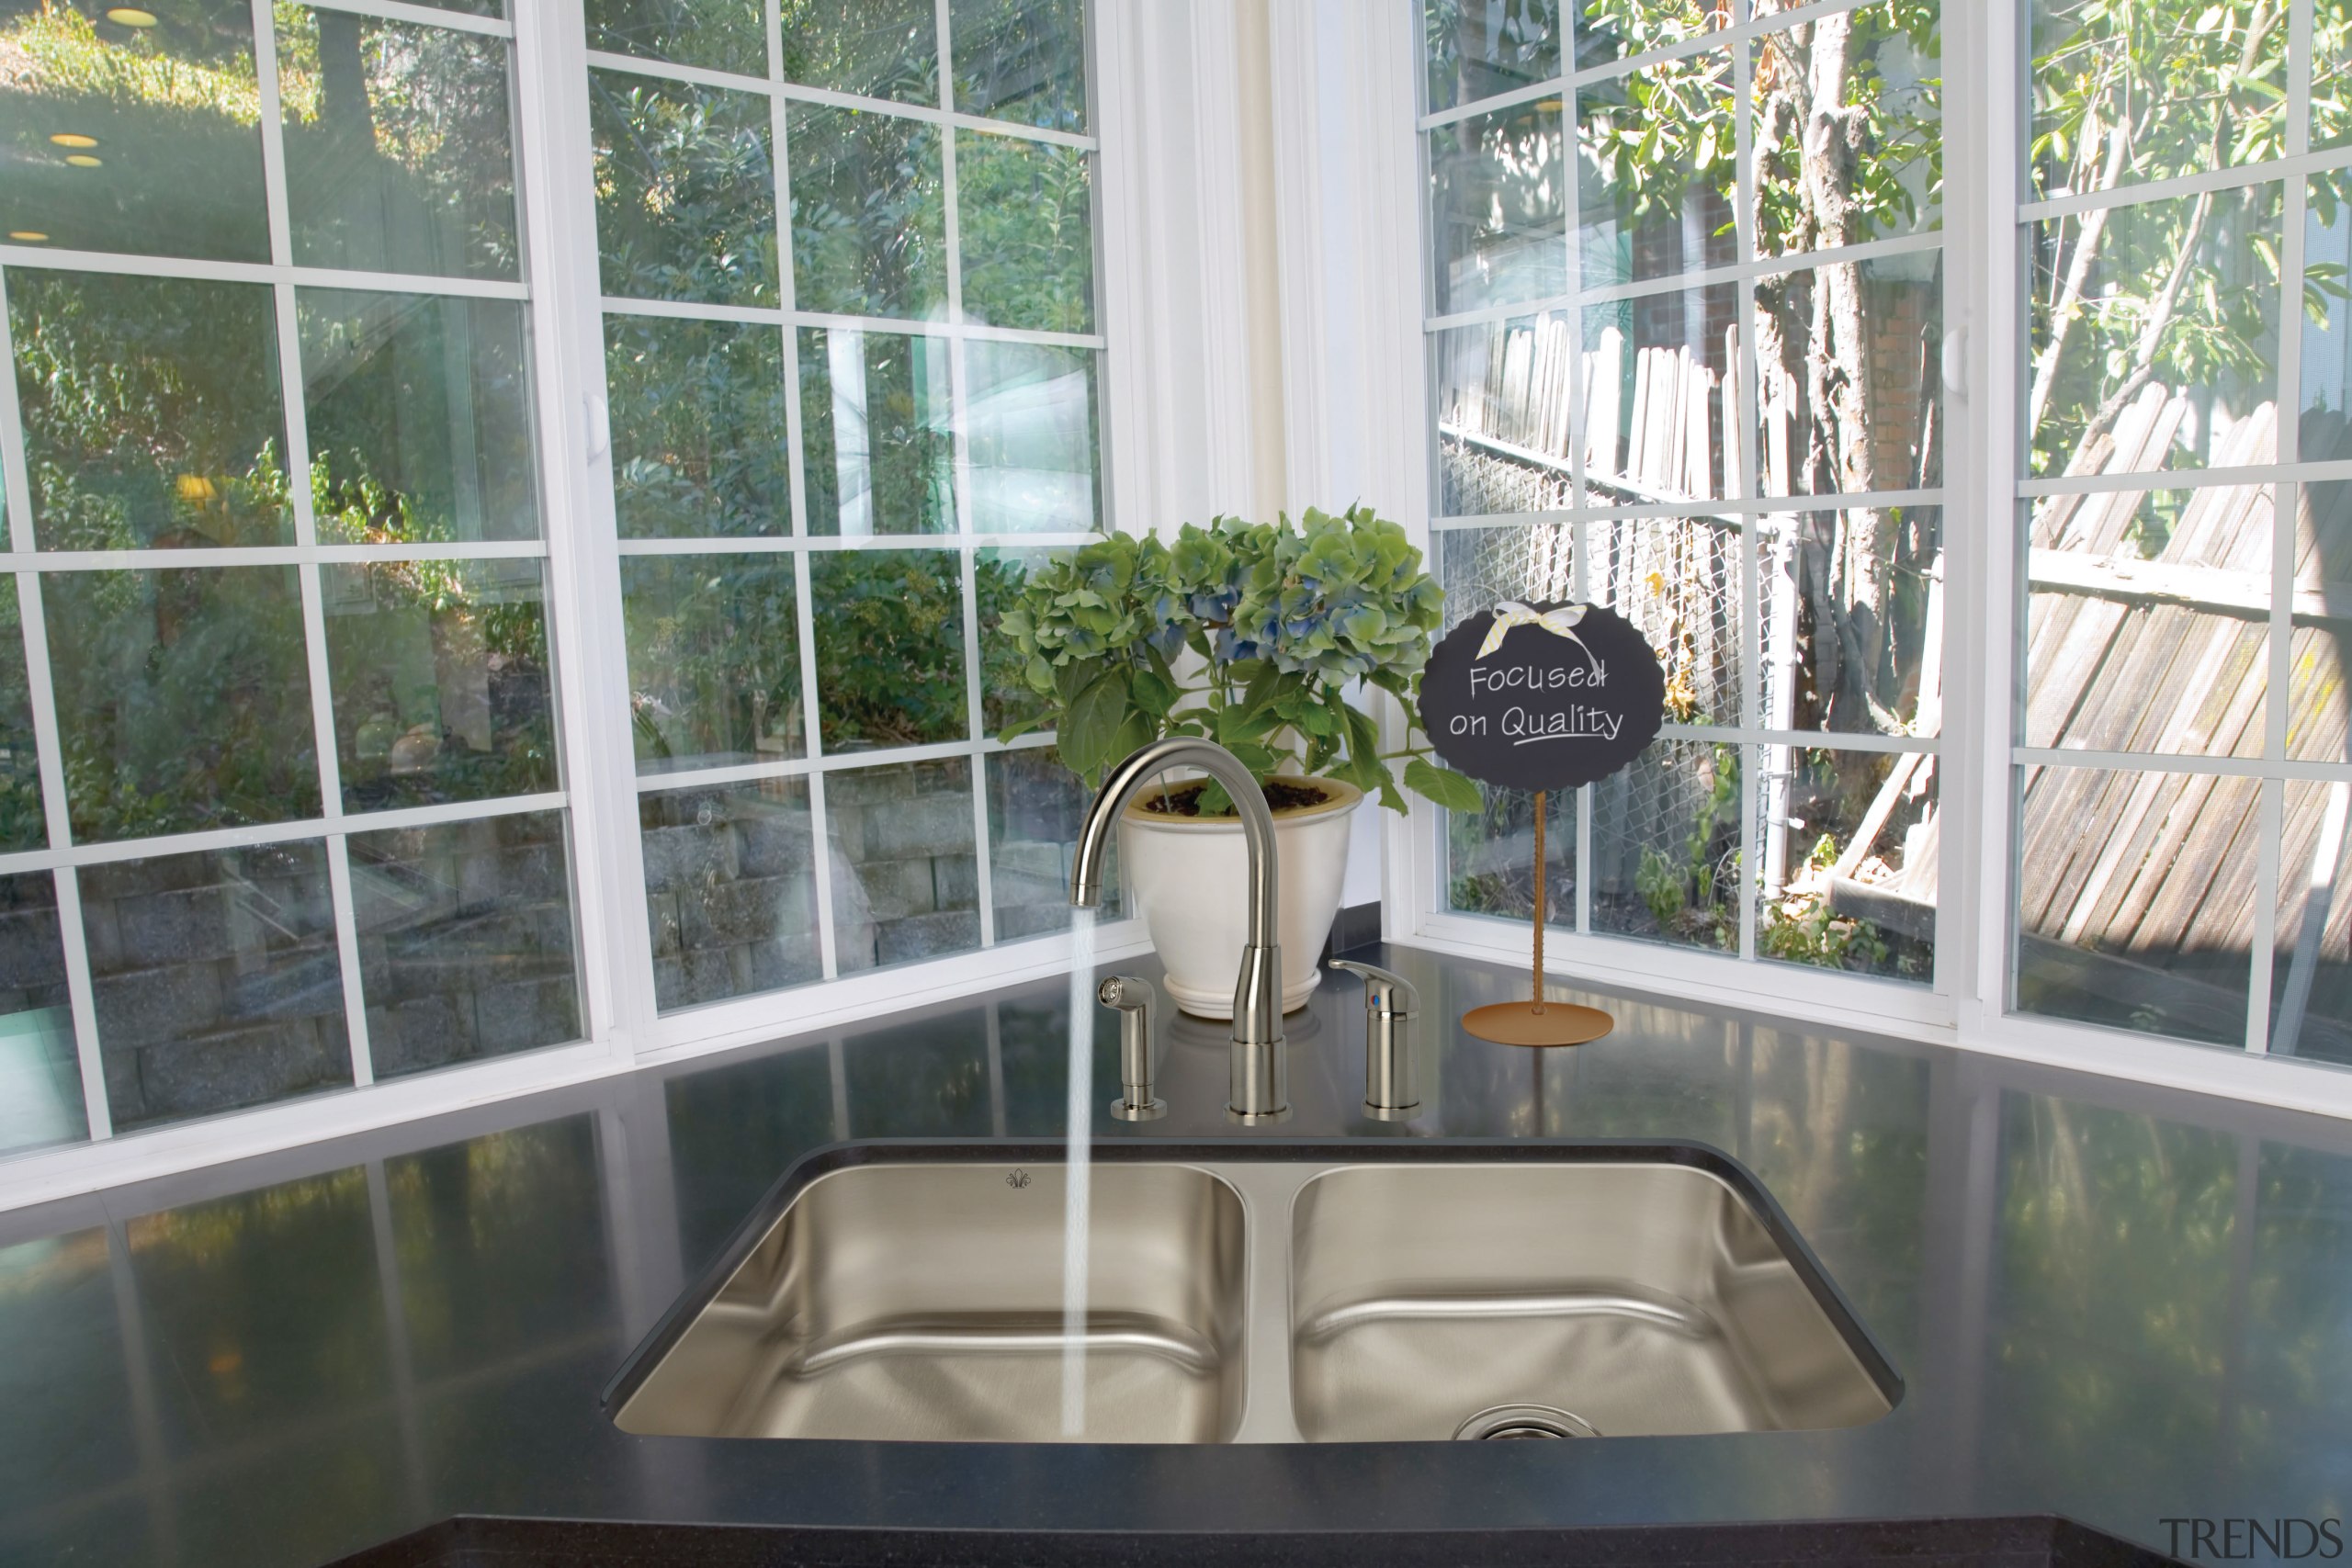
(2111, 1302)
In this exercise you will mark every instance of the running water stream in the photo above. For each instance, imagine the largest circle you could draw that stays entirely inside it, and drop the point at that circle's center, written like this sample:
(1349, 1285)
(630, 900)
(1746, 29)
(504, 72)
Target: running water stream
(1077, 1171)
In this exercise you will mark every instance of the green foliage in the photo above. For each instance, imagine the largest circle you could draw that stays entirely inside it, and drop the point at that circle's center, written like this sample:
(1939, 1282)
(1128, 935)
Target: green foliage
(889, 629)
(1246, 634)
(685, 193)
(1028, 241)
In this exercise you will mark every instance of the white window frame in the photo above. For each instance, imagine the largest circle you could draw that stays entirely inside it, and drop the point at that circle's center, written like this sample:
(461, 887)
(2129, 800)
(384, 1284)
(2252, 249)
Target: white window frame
(1177, 444)
(1356, 138)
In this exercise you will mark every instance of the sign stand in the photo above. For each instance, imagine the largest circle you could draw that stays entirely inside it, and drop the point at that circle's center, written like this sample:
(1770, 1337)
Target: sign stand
(1538, 1022)
(1573, 698)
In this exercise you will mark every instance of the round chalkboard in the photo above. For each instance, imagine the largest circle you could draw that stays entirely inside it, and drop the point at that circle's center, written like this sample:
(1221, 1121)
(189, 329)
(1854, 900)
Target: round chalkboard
(1542, 696)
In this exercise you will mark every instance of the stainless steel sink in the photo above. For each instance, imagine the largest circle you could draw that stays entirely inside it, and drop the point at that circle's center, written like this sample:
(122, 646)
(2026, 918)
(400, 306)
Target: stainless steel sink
(1244, 1291)
(1553, 1299)
(924, 1301)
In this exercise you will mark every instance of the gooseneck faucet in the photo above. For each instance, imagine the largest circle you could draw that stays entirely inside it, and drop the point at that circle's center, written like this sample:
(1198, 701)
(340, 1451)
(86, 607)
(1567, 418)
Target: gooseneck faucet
(1258, 1075)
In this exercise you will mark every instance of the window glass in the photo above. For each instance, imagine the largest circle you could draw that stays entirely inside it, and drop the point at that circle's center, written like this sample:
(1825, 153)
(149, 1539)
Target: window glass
(1479, 50)
(876, 49)
(1022, 61)
(1619, 447)
(383, 177)
(906, 880)
(730, 890)
(40, 1068)
(419, 407)
(869, 227)
(132, 136)
(700, 445)
(714, 656)
(718, 35)
(152, 413)
(685, 193)
(287, 574)
(217, 981)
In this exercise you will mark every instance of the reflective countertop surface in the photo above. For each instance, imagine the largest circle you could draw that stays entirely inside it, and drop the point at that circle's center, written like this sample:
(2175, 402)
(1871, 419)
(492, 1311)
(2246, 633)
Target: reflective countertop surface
(2111, 1302)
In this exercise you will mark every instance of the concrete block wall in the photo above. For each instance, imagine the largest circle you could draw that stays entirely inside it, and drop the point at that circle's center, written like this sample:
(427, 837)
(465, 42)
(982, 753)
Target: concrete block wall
(216, 980)
(465, 941)
(906, 874)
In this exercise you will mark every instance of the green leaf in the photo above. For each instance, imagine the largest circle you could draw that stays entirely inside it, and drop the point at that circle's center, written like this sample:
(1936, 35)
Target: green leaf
(1442, 785)
(1155, 694)
(1092, 729)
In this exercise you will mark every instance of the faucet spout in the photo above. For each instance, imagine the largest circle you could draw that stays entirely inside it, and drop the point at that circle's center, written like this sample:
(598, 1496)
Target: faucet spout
(1259, 1072)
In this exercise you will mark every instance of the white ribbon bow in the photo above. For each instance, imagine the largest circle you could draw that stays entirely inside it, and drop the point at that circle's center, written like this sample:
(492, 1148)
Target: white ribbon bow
(1559, 623)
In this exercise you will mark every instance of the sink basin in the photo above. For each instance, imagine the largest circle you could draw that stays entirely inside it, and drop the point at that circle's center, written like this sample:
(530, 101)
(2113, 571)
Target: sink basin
(1250, 1290)
(924, 1301)
(1434, 1300)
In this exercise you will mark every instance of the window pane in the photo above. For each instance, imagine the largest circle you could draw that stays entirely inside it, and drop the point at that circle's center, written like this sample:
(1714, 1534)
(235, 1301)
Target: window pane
(183, 699)
(1032, 418)
(1021, 59)
(1677, 580)
(1850, 384)
(1611, 29)
(1034, 807)
(2310, 966)
(165, 121)
(2097, 67)
(731, 888)
(1481, 566)
(1477, 50)
(1503, 424)
(869, 232)
(2169, 354)
(878, 434)
(890, 631)
(1658, 171)
(151, 412)
(1490, 856)
(465, 941)
(877, 49)
(383, 177)
(2326, 406)
(1027, 238)
(1853, 618)
(40, 1071)
(420, 417)
(1005, 694)
(1827, 896)
(1498, 197)
(697, 419)
(2319, 719)
(2148, 621)
(2136, 899)
(1663, 420)
(906, 881)
(713, 661)
(1665, 847)
(1881, 61)
(440, 670)
(685, 193)
(718, 35)
(217, 981)
(2331, 123)
(23, 825)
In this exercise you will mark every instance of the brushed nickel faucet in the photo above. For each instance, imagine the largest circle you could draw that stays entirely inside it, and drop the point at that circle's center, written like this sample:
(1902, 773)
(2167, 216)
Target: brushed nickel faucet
(1258, 1071)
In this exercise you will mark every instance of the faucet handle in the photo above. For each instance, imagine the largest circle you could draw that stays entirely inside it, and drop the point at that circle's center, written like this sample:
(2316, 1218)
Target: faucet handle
(1392, 1090)
(1387, 994)
(1133, 997)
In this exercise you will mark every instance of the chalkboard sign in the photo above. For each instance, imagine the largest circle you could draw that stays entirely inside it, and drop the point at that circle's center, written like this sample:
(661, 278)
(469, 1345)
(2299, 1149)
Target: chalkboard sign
(1542, 696)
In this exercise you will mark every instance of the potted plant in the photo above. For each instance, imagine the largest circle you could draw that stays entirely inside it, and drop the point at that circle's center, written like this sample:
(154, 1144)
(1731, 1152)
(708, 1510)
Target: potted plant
(1248, 634)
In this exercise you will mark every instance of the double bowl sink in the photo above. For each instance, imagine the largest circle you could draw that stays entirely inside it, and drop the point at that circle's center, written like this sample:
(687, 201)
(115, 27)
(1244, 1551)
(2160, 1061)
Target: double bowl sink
(1242, 1291)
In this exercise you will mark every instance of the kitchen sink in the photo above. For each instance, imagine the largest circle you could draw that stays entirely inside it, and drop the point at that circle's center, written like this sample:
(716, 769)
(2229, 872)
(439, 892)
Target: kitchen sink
(1252, 1291)
(1568, 1299)
(924, 1301)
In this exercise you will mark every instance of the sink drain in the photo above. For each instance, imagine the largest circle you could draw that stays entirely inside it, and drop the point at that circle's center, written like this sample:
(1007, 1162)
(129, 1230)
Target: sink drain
(1516, 1421)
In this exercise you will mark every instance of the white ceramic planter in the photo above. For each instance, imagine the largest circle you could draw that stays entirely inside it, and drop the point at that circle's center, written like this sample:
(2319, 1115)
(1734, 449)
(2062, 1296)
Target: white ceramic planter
(1191, 877)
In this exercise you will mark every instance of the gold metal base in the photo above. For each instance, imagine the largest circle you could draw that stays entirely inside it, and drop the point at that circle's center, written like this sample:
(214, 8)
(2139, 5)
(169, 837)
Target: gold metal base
(1537, 1023)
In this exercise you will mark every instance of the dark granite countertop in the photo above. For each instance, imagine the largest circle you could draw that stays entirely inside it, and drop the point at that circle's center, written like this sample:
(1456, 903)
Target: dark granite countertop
(2108, 1302)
